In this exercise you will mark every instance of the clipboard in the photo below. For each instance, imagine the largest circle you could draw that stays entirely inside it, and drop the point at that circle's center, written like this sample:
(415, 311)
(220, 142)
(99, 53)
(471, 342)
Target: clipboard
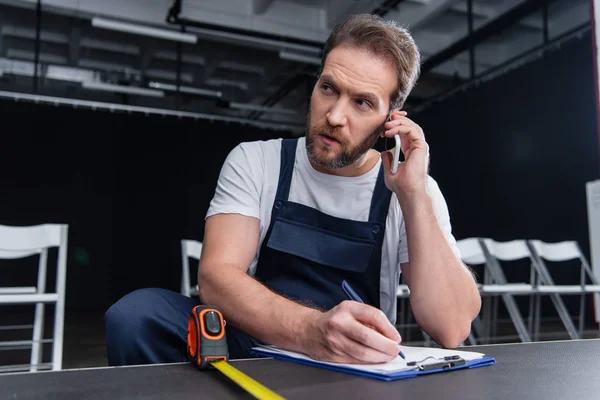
(431, 366)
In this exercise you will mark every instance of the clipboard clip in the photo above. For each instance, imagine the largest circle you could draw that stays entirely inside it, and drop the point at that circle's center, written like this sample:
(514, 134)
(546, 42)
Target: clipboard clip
(447, 362)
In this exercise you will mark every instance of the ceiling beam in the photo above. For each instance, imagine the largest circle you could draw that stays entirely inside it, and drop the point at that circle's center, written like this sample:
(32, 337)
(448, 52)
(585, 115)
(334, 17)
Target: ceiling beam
(490, 29)
(416, 14)
(280, 93)
(387, 6)
(28, 33)
(487, 12)
(113, 47)
(338, 10)
(261, 6)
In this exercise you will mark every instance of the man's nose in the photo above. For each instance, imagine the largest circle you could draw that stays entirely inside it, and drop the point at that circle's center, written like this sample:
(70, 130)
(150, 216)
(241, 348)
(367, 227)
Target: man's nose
(337, 114)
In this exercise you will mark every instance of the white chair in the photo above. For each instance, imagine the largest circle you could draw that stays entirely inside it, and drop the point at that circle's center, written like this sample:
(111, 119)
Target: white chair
(562, 252)
(189, 249)
(21, 242)
(519, 249)
(498, 285)
(471, 254)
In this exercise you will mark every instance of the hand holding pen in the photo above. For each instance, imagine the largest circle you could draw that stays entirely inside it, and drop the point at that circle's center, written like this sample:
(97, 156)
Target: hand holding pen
(349, 333)
(354, 296)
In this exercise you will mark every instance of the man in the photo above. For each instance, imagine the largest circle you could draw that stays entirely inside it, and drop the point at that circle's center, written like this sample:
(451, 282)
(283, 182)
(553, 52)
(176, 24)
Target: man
(292, 219)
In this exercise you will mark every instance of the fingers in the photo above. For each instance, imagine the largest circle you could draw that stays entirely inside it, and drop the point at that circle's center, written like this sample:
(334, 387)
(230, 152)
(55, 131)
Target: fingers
(395, 118)
(375, 342)
(405, 128)
(358, 353)
(374, 317)
(387, 159)
(358, 333)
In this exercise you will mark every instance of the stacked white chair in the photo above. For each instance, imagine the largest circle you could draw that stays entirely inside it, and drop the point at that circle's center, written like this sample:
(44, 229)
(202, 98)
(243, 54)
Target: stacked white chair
(562, 252)
(498, 285)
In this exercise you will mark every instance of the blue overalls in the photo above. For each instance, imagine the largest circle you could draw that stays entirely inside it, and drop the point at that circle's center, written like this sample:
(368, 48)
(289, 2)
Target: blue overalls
(305, 255)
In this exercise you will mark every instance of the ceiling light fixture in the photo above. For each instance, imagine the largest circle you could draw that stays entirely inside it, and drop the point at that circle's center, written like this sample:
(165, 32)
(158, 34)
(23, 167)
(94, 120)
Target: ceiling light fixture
(108, 87)
(291, 56)
(143, 30)
(186, 89)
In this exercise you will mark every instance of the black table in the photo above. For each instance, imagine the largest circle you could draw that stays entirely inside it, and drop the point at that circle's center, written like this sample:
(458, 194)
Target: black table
(543, 370)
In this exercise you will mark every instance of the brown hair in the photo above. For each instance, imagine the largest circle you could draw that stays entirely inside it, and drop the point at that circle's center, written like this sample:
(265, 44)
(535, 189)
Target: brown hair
(385, 40)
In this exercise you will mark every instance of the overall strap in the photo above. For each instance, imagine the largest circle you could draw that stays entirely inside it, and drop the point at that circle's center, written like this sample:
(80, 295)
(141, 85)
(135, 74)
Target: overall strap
(380, 202)
(288, 157)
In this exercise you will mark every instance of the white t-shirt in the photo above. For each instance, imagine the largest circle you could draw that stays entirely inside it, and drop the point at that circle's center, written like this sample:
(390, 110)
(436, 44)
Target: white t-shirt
(248, 183)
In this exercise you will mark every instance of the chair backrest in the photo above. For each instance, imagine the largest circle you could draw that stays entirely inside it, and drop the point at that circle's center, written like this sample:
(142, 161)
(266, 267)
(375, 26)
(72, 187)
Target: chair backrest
(16, 238)
(9, 254)
(189, 249)
(470, 251)
(508, 251)
(193, 248)
(561, 251)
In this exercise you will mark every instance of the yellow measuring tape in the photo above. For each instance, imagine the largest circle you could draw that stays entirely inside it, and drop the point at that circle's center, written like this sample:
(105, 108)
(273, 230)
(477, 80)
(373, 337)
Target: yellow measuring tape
(245, 382)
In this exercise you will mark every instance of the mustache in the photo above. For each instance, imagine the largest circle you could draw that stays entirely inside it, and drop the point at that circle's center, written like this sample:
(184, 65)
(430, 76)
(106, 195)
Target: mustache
(329, 131)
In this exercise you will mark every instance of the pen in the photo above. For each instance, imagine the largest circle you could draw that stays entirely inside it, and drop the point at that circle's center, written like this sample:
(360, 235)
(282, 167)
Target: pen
(354, 296)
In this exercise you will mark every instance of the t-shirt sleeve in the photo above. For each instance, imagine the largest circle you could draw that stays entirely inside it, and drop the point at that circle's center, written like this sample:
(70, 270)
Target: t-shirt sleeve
(240, 181)
(443, 217)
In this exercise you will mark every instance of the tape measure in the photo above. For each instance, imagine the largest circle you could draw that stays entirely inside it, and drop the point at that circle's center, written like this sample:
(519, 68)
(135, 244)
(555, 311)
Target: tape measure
(207, 348)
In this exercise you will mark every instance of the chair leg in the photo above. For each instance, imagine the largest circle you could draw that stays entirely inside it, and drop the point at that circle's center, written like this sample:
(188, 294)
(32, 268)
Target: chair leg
(427, 339)
(477, 326)
(531, 317)
(537, 317)
(581, 314)
(38, 324)
(582, 301)
(408, 322)
(515, 316)
(564, 315)
(403, 317)
(38, 331)
(494, 327)
(487, 306)
(472, 339)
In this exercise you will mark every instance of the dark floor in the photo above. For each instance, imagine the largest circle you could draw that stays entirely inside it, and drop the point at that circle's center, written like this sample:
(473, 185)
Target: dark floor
(85, 344)
(84, 339)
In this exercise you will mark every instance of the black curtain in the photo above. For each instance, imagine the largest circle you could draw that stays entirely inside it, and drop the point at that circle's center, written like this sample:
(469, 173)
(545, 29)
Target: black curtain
(512, 156)
(130, 187)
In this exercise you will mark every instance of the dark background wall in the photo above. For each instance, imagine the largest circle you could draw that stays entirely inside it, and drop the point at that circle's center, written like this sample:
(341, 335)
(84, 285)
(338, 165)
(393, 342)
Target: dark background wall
(129, 186)
(511, 156)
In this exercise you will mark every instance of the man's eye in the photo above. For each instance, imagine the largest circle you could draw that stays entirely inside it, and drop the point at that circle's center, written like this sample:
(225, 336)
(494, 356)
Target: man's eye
(326, 88)
(363, 104)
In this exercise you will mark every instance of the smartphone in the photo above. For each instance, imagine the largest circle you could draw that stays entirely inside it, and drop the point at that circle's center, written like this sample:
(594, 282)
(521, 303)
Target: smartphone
(397, 151)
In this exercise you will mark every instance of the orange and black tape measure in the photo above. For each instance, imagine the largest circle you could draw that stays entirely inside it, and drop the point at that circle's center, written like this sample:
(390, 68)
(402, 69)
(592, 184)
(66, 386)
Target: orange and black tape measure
(206, 336)
(207, 347)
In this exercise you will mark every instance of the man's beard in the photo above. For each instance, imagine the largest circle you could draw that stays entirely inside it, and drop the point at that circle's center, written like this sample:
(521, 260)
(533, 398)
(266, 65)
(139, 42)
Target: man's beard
(347, 155)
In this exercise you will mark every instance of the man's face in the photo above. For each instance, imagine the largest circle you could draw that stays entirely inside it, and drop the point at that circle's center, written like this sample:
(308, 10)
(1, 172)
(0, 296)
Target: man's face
(348, 107)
